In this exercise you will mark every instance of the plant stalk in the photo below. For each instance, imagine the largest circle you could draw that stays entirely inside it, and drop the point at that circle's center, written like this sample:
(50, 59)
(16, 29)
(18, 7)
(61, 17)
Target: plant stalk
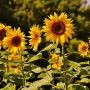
(64, 69)
(22, 70)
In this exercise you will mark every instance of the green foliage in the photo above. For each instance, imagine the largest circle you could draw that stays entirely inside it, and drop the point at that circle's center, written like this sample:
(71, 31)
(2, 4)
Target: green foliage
(77, 87)
(35, 57)
(35, 85)
(25, 13)
(9, 87)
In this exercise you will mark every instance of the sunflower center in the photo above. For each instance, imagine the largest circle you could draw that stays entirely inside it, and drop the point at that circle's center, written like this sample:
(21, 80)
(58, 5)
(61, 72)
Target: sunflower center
(2, 34)
(16, 41)
(58, 28)
(84, 48)
(14, 66)
(36, 35)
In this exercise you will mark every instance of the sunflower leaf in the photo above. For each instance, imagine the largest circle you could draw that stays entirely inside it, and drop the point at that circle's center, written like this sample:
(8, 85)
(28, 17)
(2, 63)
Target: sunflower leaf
(85, 80)
(77, 87)
(37, 70)
(60, 85)
(35, 85)
(74, 64)
(9, 87)
(35, 57)
(49, 47)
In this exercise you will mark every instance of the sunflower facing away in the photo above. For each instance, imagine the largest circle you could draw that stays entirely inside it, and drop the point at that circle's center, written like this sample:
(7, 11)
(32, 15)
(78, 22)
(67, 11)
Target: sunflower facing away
(35, 37)
(3, 32)
(58, 28)
(83, 48)
(15, 41)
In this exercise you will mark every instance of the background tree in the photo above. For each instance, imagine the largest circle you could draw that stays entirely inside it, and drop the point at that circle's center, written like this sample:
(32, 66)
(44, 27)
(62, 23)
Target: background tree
(25, 13)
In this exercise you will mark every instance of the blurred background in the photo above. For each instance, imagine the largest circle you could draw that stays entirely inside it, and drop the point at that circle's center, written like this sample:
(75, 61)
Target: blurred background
(25, 13)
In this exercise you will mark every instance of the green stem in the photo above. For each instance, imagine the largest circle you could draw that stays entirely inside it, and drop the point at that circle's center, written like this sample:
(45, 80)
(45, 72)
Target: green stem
(7, 63)
(22, 70)
(53, 81)
(7, 67)
(64, 68)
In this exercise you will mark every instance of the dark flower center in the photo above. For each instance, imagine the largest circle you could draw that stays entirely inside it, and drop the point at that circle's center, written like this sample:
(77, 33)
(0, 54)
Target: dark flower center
(58, 28)
(84, 48)
(2, 34)
(14, 66)
(16, 41)
(36, 35)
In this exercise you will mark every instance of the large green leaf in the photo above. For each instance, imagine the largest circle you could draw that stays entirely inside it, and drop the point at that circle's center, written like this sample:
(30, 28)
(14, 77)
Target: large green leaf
(45, 81)
(77, 87)
(41, 75)
(9, 87)
(37, 70)
(87, 62)
(49, 47)
(60, 85)
(85, 80)
(74, 64)
(35, 57)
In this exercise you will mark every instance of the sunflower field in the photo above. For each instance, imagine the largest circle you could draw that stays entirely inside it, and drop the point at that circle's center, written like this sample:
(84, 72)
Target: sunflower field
(44, 45)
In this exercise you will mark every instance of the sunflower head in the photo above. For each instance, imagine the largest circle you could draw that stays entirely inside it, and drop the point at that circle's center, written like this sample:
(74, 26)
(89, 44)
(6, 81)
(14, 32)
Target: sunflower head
(57, 61)
(54, 56)
(58, 28)
(3, 31)
(35, 37)
(13, 68)
(57, 65)
(83, 49)
(15, 41)
(15, 57)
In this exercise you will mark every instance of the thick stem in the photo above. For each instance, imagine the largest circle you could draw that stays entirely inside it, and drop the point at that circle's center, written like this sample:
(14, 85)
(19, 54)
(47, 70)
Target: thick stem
(64, 68)
(22, 70)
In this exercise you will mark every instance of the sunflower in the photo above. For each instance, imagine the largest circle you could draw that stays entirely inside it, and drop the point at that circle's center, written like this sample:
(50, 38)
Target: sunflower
(54, 56)
(13, 68)
(57, 61)
(3, 31)
(58, 28)
(83, 48)
(35, 37)
(57, 65)
(15, 41)
(15, 57)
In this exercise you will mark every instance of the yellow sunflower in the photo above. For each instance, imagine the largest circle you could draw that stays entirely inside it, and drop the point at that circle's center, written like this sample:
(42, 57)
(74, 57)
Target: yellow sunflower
(83, 48)
(58, 28)
(15, 41)
(3, 31)
(35, 37)
(54, 56)
(57, 65)
(13, 68)
(15, 57)
(57, 61)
